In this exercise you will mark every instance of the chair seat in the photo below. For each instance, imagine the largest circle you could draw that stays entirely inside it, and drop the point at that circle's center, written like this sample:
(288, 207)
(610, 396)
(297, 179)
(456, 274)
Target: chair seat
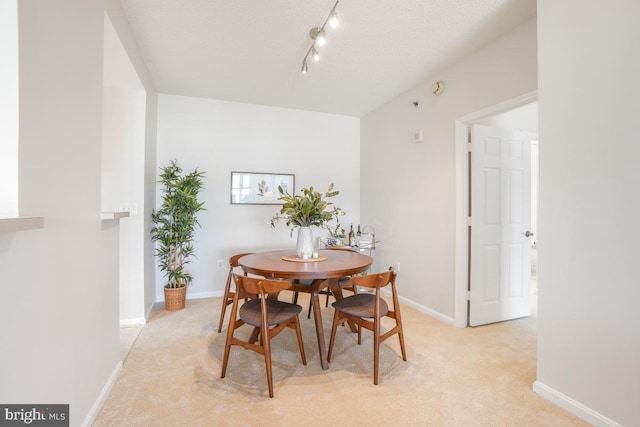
(360, 305)
(278, 312)
(343, 282)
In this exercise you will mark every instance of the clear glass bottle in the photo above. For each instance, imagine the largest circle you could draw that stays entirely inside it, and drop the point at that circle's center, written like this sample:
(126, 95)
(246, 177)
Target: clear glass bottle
(351, 236)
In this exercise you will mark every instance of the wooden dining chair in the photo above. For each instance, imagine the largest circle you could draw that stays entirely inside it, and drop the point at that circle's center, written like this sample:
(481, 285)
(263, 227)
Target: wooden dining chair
(367, 310)
(270, 316)
(344, 282)
(228, 293)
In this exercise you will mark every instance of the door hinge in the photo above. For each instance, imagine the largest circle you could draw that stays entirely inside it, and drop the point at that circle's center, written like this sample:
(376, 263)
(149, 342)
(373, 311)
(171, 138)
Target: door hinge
(468, 295)
(469, 221)
(469, 147)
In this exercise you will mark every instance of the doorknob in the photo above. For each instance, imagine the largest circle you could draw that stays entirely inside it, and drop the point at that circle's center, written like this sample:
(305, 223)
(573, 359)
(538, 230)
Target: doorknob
(527, 234)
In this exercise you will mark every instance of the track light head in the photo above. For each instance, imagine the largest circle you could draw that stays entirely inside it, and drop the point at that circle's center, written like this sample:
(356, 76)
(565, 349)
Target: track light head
(317, 34)
(304, 67)
(333, 19)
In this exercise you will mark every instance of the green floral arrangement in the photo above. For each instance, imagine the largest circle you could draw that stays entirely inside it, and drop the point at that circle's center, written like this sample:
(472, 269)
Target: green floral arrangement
(311, 208)
(337, 232)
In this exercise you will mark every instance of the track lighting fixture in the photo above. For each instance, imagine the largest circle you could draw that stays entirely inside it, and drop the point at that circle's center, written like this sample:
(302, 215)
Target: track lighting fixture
(318, 35)
(314, 54)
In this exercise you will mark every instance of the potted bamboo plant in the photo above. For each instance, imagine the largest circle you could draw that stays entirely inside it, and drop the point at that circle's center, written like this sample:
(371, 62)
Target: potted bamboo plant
(174, 224)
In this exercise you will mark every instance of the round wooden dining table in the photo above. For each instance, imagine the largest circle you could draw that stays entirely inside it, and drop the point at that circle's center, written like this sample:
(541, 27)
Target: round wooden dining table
(317, 273)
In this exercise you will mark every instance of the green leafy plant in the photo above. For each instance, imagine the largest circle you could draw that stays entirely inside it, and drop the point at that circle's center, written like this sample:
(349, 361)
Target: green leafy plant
(337, 231)
(175, 222)
(307, 209)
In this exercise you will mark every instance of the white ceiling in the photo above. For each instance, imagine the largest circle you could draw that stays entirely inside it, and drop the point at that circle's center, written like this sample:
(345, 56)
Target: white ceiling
(251, 50)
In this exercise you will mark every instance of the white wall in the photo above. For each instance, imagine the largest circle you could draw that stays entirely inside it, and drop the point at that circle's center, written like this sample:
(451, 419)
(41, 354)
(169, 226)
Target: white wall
(128, 73)
(589, 339)
(521, 118)
(123, 161)
(150, 177)
(408, 190)
(219, 137)
(9, 108)
(59, 322)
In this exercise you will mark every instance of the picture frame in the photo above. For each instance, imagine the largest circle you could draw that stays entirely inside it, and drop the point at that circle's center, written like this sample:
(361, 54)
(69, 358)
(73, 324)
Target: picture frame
(259, 188)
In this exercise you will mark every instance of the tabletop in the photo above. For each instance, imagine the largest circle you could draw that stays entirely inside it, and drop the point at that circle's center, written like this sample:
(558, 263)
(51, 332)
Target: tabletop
(338, 264)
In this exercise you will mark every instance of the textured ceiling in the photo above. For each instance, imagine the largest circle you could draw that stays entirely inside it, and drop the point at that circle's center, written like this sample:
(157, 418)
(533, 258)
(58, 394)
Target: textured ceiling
(251, 50)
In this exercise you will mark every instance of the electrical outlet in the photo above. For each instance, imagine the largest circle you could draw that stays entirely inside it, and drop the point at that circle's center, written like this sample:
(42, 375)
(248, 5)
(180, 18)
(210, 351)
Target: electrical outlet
(397, 266)
(220, 264)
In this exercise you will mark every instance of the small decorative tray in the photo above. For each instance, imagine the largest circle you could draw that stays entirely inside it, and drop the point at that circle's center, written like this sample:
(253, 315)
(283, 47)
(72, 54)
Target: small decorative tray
(295, 258)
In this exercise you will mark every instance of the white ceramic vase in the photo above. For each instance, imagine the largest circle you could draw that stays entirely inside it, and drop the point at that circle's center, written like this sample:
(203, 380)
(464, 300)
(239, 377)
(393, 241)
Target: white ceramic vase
(304, 245)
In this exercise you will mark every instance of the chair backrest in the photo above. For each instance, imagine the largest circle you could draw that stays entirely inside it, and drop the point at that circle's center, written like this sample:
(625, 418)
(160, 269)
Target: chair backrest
(259, 286)
(376, 280)
(233, 260)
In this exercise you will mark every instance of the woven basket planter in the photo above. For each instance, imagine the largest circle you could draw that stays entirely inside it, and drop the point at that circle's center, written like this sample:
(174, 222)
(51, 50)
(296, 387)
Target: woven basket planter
(174, 298)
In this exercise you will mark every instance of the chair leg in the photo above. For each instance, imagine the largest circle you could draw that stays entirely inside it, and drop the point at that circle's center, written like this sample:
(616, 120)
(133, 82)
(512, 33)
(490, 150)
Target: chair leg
(376, 349)
(225, 302)
(400, 333)
(267, 359)
(227, 345)
(334, 328)
(296, 324)
(401, 338)
(255, 334)
(225, 359)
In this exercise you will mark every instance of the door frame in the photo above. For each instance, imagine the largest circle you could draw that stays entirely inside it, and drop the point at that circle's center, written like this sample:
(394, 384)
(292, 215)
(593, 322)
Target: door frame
(463, 124)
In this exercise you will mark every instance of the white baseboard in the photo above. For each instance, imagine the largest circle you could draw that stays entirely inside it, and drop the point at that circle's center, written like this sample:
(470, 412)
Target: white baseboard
(148, 314)
(199, 295)
(95, 409)
(205, 295)
(573, 406)
(421, 308)
(132, 322)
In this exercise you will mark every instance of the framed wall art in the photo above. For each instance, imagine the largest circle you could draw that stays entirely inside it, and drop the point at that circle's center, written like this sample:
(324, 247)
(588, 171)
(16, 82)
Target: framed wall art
(259, 188)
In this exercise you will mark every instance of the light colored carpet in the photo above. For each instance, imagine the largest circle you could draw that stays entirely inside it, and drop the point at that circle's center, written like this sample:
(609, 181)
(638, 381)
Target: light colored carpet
(128, 336)
(453, 377)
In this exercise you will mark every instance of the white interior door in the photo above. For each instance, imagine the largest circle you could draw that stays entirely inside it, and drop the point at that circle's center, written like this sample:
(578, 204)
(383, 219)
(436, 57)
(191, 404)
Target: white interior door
(500, 249)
